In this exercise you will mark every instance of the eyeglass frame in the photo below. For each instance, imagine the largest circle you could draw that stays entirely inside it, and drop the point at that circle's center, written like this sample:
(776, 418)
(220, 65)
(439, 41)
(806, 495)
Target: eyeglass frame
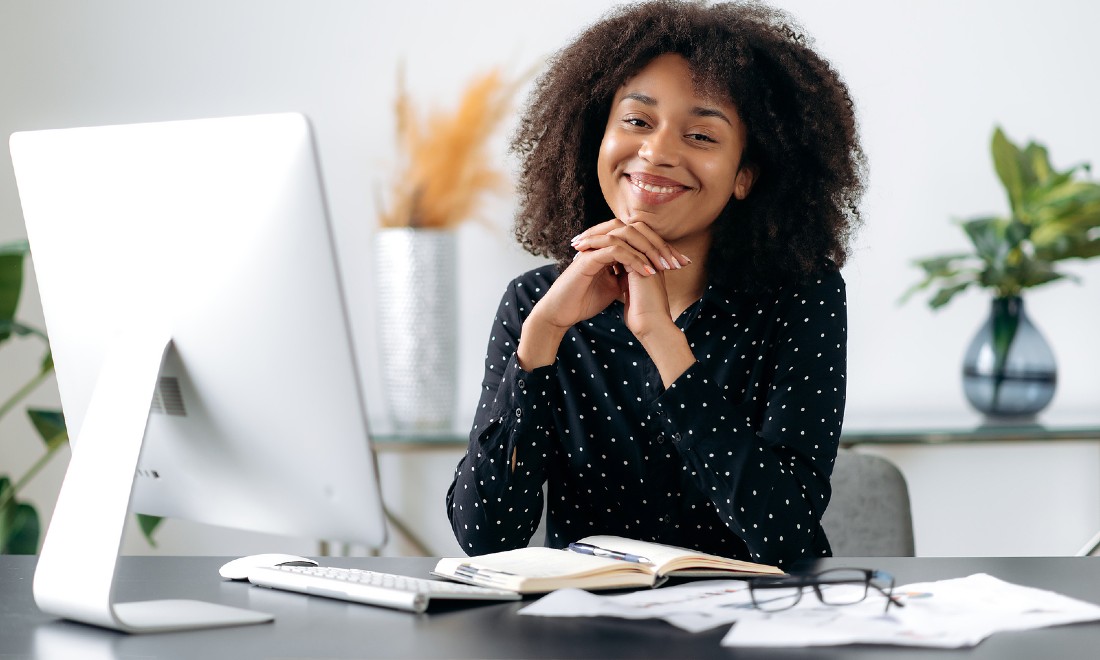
(870, 576)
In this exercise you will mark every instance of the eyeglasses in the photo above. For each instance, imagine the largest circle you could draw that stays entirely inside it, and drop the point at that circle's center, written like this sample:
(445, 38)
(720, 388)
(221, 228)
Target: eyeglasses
(836, 586)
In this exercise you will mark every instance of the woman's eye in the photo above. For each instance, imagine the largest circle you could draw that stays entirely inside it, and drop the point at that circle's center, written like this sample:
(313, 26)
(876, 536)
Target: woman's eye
(701, 137)
(635, 121)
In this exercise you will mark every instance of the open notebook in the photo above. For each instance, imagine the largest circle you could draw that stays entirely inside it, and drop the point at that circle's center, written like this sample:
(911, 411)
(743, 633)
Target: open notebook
(594, 562)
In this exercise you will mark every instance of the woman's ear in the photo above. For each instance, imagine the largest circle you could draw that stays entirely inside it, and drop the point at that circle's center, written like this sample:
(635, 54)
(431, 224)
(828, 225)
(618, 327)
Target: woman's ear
(742, 185)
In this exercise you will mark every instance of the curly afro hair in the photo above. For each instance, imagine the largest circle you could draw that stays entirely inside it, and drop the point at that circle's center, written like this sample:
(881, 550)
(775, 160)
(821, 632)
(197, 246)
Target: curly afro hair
(802, 137)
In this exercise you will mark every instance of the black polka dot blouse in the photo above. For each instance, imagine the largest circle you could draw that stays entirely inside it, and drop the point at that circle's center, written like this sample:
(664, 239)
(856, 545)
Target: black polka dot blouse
(733, 458)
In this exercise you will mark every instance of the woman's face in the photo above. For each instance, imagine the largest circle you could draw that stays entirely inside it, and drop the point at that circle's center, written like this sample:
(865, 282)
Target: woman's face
(670, 158)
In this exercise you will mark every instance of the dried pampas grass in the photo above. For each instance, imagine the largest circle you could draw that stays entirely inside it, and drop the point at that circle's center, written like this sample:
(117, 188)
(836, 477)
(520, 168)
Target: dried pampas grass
(445, 168)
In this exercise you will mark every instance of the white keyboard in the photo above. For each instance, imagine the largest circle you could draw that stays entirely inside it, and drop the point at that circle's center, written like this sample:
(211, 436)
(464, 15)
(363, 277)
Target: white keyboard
(371, 588)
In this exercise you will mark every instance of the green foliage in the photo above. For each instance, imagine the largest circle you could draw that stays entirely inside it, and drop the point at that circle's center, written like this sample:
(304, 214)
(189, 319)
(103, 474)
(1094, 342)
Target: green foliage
(20, 528)
(148, 524)
(1053, 215)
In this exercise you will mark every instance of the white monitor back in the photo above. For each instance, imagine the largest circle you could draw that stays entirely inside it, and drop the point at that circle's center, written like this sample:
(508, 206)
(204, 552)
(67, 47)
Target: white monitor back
(216, 230)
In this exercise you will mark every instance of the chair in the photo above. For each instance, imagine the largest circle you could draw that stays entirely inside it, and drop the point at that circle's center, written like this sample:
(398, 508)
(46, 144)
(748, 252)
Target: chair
(869, 514)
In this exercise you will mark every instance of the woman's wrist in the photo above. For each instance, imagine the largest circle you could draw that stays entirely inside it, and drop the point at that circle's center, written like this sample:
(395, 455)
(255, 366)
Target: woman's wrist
(538, 343)
(669, 349)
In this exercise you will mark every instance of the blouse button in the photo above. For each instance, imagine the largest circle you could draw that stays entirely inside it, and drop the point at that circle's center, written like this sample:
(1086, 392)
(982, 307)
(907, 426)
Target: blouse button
(519, 412)
(660, 438)
(676, 437)
(522, 384)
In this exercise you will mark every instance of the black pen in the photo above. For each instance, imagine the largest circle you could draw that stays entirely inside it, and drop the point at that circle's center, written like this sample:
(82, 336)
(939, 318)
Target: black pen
(595, 550)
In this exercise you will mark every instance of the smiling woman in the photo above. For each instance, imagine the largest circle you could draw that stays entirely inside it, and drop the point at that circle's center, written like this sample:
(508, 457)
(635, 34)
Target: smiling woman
(679, 376)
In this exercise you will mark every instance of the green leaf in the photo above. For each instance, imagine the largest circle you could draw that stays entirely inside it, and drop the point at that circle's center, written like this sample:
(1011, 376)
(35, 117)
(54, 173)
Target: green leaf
(1008, 161)
(21, 538)
(1016, 232)
(11, 284)
(1065, 198)
(943, 265)
(944, 295)
(987, 235)
(50, 425)
(1038, 163)
(1037, 273)
(1083, 250)
(148, 525)
(19, 525)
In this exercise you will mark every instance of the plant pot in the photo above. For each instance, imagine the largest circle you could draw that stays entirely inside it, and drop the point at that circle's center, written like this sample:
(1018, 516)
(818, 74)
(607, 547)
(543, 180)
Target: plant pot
(1009, 369)
(417, 326)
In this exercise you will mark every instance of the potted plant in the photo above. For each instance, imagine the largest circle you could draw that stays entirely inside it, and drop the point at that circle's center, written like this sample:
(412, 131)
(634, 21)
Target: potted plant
(1053, 215)
(444, 172)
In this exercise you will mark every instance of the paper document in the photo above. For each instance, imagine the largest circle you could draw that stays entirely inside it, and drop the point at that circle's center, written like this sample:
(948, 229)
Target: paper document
(948, 614)
(694, 607)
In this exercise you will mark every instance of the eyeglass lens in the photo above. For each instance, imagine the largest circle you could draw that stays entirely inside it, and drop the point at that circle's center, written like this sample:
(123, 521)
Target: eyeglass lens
(840, 586)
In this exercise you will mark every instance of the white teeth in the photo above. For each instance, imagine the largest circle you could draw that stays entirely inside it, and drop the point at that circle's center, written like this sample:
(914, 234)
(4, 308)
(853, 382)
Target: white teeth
(654, 189)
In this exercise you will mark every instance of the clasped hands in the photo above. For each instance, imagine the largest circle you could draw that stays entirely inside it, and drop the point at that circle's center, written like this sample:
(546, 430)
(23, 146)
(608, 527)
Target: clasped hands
(624, 259)
(614, 259)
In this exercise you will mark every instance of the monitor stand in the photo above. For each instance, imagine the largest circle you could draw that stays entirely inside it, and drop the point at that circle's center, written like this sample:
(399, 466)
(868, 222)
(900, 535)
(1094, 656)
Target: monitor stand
(75, 575)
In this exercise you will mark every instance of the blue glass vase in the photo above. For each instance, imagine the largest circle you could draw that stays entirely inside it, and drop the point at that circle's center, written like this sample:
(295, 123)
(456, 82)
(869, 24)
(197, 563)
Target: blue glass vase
(1009, 369)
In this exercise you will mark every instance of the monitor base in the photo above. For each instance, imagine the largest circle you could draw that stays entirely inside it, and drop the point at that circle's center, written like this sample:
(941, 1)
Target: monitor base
(171, 615)
(75, 575)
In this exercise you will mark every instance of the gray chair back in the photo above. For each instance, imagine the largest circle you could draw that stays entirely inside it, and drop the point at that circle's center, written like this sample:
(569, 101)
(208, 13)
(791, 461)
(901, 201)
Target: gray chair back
(868, 515)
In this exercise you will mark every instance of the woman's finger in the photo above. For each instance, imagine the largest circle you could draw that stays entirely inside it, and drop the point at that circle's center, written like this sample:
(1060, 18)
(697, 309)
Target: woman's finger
(645, 242)
(670, 257)
(640, 236)
(606, 251)
(597, 230)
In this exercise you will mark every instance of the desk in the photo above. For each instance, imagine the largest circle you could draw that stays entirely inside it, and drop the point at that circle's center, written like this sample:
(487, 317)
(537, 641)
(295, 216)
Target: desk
(311, 627)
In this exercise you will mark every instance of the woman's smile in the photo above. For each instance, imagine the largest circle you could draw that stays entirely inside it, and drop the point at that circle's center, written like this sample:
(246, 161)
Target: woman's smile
(654, 189)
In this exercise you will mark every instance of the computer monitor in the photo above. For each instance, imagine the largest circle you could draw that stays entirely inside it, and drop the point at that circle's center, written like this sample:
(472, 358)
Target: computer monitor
(202, 345)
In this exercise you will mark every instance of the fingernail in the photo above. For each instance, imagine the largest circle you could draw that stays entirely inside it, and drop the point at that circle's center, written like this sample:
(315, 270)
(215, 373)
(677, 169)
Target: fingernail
(649, 269)
(665, 264)
(676, 263)
(687, 259)
(573, 240)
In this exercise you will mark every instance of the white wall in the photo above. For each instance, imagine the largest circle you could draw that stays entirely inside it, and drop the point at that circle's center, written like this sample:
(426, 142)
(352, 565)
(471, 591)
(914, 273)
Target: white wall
(930, 79)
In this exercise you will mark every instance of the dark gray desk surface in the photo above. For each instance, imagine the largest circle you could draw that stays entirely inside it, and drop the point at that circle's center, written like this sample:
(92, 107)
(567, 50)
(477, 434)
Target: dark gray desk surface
(311, 627)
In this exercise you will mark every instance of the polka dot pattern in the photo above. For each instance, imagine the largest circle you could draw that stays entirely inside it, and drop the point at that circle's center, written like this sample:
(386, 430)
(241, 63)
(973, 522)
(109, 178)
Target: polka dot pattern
(733, 458)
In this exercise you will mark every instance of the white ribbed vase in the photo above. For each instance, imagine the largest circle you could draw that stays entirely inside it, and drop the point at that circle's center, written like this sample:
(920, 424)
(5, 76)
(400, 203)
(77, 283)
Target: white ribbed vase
(417, 326)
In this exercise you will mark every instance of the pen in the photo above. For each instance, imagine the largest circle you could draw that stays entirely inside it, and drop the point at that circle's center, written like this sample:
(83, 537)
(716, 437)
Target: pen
(589, 549)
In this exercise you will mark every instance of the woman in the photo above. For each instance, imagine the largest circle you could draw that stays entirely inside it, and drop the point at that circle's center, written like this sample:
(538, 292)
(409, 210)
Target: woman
(678, 376)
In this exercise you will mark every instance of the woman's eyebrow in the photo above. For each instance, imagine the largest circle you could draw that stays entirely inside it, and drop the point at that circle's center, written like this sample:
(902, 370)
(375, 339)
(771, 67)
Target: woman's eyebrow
(698, 111)
(711, 112)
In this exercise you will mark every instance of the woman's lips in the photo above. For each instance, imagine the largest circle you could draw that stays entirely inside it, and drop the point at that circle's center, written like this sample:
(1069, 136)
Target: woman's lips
(653, 189)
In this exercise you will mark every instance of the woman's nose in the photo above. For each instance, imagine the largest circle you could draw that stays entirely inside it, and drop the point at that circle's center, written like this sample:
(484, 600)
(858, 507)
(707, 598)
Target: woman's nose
(660, 147)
